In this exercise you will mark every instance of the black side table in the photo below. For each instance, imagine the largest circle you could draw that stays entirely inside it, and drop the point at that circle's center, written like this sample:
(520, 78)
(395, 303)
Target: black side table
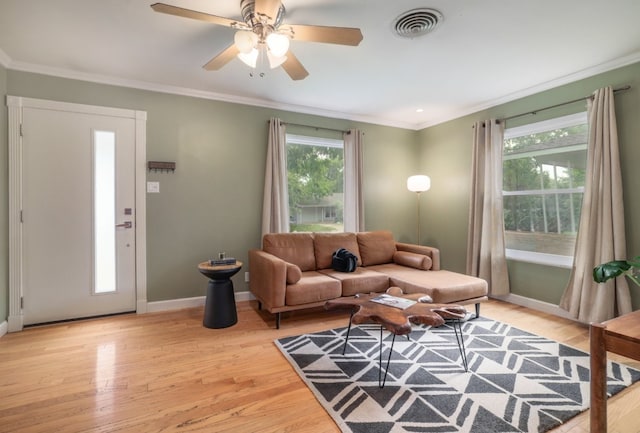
(220, 306)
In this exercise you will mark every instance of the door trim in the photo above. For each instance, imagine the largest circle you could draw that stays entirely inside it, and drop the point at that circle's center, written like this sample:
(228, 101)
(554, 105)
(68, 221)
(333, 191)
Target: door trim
(15, 104)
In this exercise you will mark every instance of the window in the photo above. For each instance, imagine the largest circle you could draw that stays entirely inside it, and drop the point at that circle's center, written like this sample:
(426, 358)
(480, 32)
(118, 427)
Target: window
(543, 184)
(315, 181)
(104, 154)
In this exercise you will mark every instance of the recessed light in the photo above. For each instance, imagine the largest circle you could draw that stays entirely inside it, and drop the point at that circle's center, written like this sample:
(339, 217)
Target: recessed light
(419, 110)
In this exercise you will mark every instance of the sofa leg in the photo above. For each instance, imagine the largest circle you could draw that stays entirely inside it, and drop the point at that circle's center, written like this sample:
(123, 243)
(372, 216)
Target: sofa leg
(477, 310)
(259, 305)
(277, 320)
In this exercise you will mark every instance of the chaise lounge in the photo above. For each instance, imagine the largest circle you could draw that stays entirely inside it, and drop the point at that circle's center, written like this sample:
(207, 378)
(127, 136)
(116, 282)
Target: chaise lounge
(293, 271)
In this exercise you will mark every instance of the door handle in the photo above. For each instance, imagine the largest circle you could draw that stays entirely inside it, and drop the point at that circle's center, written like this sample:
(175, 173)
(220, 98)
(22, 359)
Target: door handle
(126, 225)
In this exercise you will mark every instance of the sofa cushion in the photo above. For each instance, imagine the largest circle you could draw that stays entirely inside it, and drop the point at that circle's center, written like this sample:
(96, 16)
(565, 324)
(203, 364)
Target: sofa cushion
(360, 281)
(293, 273)
(325, 244)
(376, 247)
(413, 260)
(296, 248)
(312, 287)
(444, 287)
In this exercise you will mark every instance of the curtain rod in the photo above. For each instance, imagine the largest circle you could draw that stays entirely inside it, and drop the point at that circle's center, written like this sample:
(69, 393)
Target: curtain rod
(315, 127)
(627, 87)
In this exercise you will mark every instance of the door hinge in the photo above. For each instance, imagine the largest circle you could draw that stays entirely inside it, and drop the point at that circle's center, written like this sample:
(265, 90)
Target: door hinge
(21, 130)
(21, 302)
(21, 219)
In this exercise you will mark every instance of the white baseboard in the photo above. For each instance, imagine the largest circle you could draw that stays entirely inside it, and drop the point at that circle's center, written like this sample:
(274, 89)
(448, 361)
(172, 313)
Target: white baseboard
(535, 304)
(146, 307)
(244, 296)
(175, 304)
(178, 304)
(15, 323)
(198, 301)
(141, 306)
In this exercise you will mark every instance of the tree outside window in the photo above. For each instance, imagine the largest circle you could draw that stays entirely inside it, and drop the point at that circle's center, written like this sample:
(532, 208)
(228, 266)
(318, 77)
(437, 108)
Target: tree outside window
(315, 181)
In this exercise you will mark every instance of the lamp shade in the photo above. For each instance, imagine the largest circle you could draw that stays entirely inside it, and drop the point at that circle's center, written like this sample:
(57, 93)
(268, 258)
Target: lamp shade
(418, 183)
(250, 59)
(274, 61)
(245, 41)
(278, 44)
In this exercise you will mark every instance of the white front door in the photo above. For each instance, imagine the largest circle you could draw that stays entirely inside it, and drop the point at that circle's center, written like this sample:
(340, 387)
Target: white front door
(78, 214)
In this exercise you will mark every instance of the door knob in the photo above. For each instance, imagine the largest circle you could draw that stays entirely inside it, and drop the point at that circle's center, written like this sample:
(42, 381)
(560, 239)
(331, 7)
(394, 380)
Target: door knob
(126, 225)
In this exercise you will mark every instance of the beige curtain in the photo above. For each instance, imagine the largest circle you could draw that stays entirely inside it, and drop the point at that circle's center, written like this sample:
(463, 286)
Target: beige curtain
(275, 205)
(485, 242)
(353, 194)
(601, 233)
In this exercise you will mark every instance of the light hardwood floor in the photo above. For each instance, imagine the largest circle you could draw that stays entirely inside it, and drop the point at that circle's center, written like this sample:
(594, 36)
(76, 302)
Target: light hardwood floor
(164, 372)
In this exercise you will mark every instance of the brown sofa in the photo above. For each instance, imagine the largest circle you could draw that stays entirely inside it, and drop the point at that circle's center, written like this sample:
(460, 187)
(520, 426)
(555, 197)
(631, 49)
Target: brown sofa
(293, 271)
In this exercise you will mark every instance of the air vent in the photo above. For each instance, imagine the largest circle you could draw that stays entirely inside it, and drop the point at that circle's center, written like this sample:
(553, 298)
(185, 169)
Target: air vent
(417, 22)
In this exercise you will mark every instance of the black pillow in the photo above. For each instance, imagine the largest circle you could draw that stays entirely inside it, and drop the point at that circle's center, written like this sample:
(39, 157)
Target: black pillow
(344, 260)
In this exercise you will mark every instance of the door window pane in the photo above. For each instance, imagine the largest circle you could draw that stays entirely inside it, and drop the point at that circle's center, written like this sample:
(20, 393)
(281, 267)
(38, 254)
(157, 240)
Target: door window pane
(104, 212)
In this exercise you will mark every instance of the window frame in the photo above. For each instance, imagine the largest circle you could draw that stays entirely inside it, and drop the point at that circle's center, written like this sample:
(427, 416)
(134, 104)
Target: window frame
(535, 257)
(313, 141)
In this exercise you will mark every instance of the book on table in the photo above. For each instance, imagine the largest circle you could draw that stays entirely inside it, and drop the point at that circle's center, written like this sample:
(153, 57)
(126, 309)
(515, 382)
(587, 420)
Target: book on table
(393, 301)
(221, 262)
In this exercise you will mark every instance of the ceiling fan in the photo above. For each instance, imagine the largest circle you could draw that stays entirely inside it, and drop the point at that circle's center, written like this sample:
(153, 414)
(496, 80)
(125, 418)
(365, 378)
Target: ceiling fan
(263, 37)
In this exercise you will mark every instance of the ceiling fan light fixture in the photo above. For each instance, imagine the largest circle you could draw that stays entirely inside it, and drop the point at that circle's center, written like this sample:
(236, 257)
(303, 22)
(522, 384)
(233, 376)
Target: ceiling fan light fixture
(250, 59)
(259, 42)
(278, 44)
(245, 41)
(275, 61)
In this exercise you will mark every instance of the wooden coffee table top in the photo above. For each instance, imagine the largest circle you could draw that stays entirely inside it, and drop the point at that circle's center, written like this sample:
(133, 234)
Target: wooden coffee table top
(396, 320)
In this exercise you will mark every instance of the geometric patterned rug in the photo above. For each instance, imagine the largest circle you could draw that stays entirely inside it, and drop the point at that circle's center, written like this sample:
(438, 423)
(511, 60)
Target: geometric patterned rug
(516, 381)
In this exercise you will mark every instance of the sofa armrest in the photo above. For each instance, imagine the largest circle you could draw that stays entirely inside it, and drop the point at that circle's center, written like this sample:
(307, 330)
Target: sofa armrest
(432, 252)
(267, 278)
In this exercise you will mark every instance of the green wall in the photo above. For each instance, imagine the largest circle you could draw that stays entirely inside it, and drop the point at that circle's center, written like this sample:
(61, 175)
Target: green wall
(445, 155)
(213, 201)
(4, 202)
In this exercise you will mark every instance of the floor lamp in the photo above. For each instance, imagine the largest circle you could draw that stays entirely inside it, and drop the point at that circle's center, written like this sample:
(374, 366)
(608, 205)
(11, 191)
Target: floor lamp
(418, 183)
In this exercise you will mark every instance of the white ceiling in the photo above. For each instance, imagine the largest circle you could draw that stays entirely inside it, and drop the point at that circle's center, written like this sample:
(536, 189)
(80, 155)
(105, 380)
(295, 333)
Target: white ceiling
(484, 53)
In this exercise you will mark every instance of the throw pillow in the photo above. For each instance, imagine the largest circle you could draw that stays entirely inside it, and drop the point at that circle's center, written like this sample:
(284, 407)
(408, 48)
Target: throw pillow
(413, 260)
(293, 273)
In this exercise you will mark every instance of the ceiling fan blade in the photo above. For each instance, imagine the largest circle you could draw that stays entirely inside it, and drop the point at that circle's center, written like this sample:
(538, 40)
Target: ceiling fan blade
(222, 59)
(294, 68)
(330, 35)
(269, 8)
(188, 13)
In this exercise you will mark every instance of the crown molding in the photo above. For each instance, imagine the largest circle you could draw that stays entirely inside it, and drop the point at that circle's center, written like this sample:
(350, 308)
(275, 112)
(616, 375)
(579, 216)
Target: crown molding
(184, 91)
(567, 79)
(5, 60)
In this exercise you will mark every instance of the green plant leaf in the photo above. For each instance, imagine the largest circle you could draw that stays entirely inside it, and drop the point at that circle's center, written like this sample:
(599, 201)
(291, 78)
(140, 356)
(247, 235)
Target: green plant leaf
(634, 262)
(612, 269)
